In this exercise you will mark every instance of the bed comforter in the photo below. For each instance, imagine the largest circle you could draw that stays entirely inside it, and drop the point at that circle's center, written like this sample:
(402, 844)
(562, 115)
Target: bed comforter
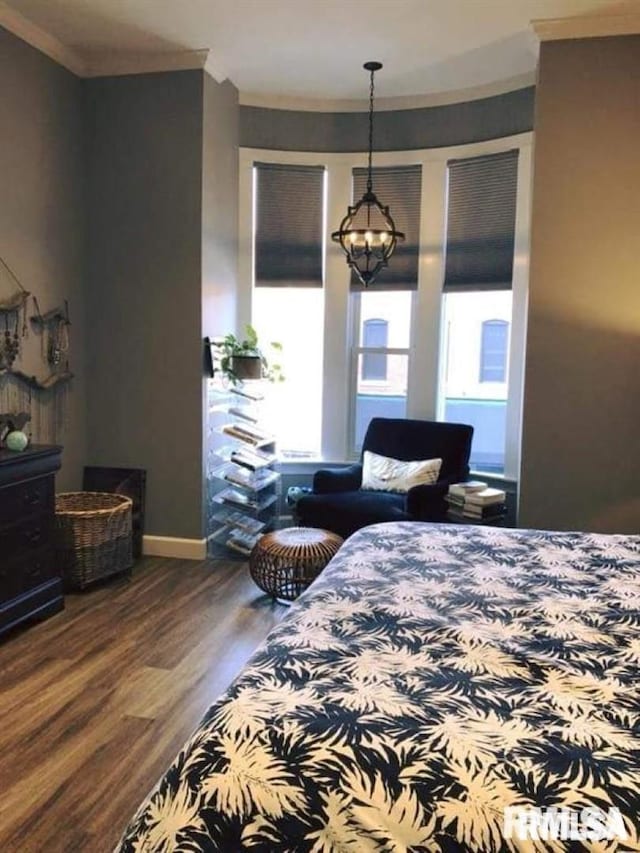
(433, 676)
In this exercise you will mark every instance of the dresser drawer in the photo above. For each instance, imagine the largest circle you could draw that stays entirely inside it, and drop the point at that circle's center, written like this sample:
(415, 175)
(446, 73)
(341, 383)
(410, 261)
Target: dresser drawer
(26, 572)
(24, 537)
(35, 570)
(32, 497)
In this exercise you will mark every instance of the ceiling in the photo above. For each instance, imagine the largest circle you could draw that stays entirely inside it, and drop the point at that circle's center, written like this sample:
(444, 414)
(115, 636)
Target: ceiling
(310, 49)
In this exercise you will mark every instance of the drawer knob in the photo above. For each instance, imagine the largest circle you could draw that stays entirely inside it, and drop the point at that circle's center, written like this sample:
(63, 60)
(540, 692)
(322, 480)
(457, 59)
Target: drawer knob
(32, 498)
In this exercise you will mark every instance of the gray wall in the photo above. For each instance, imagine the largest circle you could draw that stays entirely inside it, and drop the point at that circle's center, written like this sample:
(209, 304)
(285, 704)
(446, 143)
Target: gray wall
(395, 130)
(219, 239)
(144, 137)
(42, 216)
(581, 450)
(219, 207)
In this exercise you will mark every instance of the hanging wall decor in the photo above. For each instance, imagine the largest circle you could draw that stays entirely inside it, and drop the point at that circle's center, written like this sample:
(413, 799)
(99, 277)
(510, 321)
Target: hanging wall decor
(54, 326)
(43, 397)
(13, 318)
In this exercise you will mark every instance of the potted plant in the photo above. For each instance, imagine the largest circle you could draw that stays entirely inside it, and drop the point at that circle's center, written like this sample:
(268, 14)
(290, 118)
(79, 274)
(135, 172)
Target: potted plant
(240, 360)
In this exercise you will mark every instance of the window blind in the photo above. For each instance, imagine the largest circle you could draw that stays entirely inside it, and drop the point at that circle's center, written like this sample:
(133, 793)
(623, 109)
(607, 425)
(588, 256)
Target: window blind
(288, 236)
(481, 218)
(398, 188)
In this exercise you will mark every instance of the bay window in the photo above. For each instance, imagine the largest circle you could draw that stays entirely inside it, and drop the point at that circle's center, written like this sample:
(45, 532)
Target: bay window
(438, 335)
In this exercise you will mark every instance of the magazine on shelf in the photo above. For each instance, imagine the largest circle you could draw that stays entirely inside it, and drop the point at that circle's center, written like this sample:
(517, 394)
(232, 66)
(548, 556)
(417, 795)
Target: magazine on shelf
(231, 517)
(253, 459)
(248, 434)
(241, 541)
(245, 414)
(233, 496)
(256, 481)
(253, 432)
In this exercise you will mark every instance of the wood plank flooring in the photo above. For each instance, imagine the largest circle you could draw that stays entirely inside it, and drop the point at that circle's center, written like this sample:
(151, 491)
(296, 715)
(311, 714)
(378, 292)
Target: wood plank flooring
(96, 701)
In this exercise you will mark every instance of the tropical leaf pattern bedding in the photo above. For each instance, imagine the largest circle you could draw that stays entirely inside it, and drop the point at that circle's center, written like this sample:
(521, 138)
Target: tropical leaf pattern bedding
(432, 676)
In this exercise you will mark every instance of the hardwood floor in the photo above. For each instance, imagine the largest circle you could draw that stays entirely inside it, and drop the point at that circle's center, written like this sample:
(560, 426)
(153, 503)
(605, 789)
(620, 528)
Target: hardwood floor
(96, 702)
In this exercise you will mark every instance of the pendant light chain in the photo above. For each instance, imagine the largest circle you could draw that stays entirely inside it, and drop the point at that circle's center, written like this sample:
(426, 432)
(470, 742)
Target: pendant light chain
(369, 176)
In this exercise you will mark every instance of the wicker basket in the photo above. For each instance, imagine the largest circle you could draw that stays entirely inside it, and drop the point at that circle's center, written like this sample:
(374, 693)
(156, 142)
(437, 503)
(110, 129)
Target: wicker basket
(92, 536)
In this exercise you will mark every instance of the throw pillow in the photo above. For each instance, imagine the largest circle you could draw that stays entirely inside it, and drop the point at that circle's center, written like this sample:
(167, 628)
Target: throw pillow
(382, 473)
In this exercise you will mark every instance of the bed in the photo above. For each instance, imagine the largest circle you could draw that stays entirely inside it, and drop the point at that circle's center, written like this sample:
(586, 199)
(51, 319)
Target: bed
(433, 676)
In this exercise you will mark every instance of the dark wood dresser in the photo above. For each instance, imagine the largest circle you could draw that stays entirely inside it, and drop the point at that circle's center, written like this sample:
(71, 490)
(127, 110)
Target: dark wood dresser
(30, 586)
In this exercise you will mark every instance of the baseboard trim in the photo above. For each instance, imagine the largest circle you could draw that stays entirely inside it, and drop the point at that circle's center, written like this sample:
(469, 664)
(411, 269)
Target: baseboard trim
(170, 546)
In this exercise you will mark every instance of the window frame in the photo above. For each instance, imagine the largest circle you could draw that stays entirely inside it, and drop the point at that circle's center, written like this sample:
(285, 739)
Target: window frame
(375, 349)
(356, 350)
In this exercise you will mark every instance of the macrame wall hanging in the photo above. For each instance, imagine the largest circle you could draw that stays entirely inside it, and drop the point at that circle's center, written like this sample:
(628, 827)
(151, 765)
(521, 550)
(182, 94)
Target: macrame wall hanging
(44, 398)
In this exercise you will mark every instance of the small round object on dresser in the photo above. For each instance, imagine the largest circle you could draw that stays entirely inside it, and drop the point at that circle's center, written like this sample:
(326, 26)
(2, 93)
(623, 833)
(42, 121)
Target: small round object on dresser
(285, 562)
(16, 441)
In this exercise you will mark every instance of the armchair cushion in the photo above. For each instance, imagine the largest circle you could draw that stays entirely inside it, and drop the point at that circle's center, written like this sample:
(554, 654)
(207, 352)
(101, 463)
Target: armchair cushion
(346, 512)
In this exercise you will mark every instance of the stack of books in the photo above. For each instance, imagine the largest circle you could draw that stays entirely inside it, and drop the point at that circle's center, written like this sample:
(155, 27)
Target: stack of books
(475, 500)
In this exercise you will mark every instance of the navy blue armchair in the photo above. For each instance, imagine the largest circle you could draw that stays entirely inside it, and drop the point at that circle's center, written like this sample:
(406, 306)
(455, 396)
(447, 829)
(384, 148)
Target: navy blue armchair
(339, 504)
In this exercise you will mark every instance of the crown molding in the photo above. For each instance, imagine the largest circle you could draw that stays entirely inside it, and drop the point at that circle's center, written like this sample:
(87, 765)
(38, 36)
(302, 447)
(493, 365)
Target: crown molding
(118, 64)
(401, 102)
(41, 40)
(107, 63)
(214, 70)
(582, 26)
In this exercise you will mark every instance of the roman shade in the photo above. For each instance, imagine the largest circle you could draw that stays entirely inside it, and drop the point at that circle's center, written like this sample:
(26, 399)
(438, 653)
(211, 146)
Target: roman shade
(481, 218)
(289, 226)
(397, 187)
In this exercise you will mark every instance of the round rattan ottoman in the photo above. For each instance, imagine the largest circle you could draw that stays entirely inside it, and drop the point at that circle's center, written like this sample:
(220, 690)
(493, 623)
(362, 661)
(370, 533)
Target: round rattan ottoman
(284, 563)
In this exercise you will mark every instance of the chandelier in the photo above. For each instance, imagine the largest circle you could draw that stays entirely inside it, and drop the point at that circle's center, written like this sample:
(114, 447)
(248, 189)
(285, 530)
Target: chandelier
(367, 233)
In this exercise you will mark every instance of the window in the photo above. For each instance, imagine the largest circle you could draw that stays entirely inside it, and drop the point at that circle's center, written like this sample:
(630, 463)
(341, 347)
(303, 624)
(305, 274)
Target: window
(293, 408)
(375, 334)
(493, 351)
(288, 298)
(477, 301)
(383, 322)
(382, 313)
(465, 395)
